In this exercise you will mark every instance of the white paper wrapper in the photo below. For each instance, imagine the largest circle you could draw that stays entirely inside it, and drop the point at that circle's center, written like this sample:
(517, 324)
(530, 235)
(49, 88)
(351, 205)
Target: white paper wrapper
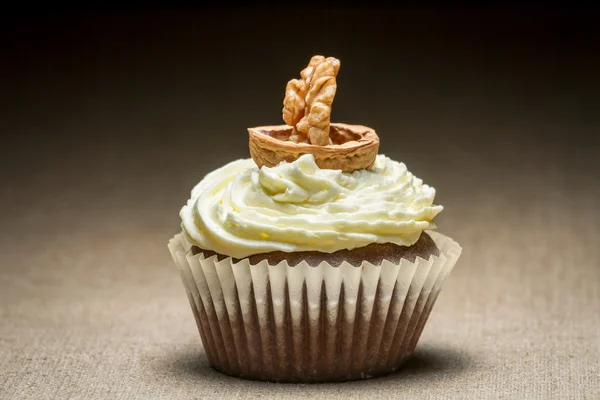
(311, 324)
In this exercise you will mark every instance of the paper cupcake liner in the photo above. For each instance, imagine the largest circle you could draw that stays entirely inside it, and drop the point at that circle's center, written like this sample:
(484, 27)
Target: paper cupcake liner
(311, 324)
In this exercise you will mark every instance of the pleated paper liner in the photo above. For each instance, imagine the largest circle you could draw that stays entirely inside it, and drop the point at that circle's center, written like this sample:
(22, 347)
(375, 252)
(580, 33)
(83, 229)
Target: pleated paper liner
(311, 324)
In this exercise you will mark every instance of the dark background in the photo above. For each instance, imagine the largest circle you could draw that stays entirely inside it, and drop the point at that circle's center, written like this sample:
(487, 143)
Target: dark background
(127, 102)
(110, 115)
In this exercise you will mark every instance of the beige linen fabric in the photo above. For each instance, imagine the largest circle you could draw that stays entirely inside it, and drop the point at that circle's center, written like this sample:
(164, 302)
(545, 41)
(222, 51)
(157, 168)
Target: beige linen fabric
(92, 306)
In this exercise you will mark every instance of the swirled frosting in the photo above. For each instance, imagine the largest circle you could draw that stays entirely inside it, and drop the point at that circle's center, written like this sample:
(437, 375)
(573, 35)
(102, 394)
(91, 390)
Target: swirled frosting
(240, 209)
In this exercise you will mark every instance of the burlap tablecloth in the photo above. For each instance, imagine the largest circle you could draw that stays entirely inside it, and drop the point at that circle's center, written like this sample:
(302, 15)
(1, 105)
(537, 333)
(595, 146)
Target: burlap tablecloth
(111, 127)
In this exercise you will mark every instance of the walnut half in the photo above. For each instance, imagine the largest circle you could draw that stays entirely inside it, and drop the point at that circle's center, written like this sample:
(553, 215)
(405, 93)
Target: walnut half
(307, 103)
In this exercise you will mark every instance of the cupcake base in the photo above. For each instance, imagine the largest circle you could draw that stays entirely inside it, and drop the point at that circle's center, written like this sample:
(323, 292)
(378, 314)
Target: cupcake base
(311, 324)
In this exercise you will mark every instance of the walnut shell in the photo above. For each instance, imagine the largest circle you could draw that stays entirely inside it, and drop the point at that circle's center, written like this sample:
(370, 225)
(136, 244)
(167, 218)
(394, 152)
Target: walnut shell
(354, 147)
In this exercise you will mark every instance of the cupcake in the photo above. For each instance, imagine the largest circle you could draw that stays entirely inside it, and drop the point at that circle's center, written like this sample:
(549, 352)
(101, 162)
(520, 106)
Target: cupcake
(314, 260)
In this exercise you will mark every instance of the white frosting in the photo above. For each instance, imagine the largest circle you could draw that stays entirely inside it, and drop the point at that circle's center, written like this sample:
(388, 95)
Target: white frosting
(240, 210)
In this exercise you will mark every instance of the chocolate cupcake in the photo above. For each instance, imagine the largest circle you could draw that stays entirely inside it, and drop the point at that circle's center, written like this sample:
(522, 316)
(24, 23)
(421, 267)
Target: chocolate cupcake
(310, 262)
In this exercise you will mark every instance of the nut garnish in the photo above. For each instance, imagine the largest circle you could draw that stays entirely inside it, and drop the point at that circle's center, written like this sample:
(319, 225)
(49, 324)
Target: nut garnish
(307, 103)
(309, 130)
